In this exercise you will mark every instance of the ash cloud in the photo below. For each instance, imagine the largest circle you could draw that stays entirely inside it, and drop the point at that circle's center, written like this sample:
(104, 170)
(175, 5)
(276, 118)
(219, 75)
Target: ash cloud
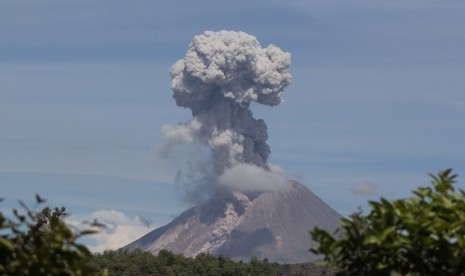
(221, 74)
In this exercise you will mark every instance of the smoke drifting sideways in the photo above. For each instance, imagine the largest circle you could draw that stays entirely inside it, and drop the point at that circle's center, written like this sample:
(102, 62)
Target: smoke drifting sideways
(221, 74)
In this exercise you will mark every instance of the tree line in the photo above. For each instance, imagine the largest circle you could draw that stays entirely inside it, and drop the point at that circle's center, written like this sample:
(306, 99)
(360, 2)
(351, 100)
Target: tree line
(138, 262)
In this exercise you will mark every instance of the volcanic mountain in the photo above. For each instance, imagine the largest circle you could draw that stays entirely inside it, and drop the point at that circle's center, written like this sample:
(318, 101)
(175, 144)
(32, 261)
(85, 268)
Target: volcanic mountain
(273, 225)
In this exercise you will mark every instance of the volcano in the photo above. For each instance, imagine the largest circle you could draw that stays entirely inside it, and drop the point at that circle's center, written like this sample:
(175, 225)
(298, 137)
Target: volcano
(273, 225)
(253, 209)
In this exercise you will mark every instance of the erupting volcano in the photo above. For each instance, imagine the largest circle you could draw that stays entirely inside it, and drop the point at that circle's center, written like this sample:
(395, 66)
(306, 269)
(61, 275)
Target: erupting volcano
(245, 206)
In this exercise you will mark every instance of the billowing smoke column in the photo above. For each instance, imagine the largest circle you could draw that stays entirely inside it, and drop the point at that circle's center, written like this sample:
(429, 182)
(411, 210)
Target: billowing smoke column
(221, 74)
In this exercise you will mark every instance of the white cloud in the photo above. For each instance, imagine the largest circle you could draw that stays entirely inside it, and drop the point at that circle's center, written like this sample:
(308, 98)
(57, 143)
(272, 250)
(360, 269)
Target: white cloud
(250, 178)
(364, 188)
(119, 229)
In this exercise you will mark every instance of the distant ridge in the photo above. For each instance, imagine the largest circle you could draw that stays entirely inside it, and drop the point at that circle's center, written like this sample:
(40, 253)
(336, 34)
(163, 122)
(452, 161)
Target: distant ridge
(274, 225)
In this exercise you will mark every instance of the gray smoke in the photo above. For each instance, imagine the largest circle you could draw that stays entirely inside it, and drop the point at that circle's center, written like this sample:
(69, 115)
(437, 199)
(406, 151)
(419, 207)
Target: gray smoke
(221, 74)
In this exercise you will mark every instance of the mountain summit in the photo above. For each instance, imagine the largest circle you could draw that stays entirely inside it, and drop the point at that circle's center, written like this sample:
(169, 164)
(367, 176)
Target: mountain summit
(273, 225)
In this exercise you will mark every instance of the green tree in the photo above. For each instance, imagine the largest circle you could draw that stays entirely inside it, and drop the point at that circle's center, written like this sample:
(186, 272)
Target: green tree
(421, 235)
(40, 243)
(166, 263)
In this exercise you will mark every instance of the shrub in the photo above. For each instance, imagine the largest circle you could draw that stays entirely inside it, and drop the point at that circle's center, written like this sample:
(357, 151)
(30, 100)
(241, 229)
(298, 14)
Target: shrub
(421, 235)
(40, 243)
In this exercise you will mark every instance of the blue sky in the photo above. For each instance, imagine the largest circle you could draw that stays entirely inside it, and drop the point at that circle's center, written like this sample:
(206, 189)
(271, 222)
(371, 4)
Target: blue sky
(377, 100)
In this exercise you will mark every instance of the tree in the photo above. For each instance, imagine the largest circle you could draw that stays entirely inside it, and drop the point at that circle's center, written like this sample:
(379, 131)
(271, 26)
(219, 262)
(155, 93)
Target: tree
(421, 235)
(40, 243)
(138, 262)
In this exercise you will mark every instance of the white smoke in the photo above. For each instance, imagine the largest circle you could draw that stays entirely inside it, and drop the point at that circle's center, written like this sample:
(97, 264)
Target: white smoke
(221, 74)
(250, 178)
(179, 134)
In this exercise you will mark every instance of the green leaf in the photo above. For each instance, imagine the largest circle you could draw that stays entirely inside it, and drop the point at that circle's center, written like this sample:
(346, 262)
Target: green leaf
(372, 240)
(386, 232)
(6, 243)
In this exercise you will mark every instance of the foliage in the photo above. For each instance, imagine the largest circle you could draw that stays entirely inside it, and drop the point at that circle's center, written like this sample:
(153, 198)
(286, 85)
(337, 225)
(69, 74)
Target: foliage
(421, 235)
(138, 262)
(40, 243)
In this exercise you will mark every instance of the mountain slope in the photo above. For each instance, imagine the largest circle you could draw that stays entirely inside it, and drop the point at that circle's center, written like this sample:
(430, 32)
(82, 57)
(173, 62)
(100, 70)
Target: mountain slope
(273, 225)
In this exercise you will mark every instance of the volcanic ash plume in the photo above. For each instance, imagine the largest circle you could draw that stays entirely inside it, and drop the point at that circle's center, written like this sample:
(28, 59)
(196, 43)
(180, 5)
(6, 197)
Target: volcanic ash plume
(221, 74)
(245, 206)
